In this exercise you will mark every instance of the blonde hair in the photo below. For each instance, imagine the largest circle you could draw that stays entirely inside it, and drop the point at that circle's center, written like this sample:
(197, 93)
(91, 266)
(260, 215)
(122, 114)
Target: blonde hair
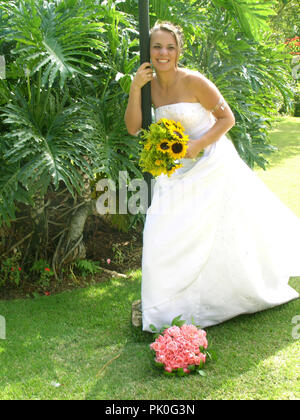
(175, 30)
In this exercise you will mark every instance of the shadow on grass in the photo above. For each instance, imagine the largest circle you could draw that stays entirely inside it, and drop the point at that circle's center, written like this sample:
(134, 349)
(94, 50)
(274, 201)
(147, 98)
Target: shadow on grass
(241, 344)
(64, 338)
(69, 338)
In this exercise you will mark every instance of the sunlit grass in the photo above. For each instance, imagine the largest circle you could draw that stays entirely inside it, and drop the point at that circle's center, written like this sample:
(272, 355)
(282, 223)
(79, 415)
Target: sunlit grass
(283, 174)
(67, 339)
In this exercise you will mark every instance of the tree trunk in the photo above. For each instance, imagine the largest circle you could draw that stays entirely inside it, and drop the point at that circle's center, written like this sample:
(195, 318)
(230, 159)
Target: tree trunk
(39, 239)
(71, 247)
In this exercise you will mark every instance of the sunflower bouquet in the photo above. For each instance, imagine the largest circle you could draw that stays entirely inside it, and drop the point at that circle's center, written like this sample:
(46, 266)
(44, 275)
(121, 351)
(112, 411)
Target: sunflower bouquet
(164, 145)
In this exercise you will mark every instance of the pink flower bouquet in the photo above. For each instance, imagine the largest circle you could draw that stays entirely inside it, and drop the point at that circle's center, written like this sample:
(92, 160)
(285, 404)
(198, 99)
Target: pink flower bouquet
(180, 348)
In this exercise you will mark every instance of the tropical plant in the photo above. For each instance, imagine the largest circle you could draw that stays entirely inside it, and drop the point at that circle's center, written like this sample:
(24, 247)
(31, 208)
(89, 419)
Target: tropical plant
(69, 65)
(63, 102)
(285, 30)
(286, 22)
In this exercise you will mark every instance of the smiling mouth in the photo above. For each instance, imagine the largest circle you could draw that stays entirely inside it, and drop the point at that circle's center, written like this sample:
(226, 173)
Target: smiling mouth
(163, 61)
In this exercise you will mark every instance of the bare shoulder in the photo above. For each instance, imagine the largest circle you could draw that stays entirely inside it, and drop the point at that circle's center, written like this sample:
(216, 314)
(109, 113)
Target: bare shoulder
(197, 80)
(203, 89)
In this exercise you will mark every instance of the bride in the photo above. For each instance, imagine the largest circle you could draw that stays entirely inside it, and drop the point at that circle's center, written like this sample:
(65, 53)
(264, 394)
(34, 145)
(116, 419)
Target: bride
(217, 242)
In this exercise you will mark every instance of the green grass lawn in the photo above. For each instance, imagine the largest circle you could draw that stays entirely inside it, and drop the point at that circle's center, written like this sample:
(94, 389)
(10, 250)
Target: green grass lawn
(68, 338)
(283, 174)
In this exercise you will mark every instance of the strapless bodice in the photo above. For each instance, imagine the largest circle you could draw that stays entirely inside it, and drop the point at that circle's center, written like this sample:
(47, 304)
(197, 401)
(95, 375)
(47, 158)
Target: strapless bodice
(193, 116)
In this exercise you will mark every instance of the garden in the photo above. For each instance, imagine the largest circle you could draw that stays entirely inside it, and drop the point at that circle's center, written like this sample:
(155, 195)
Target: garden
(68, 274)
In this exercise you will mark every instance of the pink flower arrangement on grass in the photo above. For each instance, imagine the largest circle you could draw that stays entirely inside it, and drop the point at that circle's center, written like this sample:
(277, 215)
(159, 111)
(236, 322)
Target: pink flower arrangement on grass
(180, 348)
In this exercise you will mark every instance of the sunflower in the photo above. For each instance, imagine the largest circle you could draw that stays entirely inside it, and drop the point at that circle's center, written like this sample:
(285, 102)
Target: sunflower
(167, 123)
(177, 149)
(163, 146)
(173, 169)
(177, 134)
(177, 125)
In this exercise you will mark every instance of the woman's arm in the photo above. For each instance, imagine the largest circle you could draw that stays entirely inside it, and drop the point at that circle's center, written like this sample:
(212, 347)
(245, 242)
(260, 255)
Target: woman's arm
(133, 114)
(211, 99)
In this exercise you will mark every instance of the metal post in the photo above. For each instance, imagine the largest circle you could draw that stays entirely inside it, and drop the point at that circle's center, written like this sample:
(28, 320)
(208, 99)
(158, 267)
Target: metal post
(145, 57)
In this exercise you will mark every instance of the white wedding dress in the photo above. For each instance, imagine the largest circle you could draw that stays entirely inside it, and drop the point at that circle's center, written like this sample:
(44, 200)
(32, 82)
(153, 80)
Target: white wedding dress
(217, 242)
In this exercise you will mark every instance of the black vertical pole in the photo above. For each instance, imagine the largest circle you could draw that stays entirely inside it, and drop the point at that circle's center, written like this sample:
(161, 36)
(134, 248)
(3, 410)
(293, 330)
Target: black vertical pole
(145, 57)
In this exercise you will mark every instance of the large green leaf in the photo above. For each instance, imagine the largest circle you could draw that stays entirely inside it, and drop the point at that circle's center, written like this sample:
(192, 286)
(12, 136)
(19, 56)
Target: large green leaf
(252, 15)
(51, 149)
(161, 9)
(60, 40)
(117, 150)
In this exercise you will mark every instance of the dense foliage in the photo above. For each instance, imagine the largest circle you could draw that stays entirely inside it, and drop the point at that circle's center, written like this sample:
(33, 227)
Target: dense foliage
(69, 64)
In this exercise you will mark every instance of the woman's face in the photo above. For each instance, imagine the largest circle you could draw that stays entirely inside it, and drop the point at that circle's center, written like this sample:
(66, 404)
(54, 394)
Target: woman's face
(163, 51)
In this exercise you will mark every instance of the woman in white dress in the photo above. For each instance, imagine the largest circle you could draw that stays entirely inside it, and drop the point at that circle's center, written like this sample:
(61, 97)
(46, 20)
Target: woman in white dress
(217, 242)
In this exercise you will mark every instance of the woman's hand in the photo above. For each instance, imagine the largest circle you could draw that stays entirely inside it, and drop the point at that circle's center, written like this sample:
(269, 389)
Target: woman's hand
(143, 75)
(133, 115)
(194, 148)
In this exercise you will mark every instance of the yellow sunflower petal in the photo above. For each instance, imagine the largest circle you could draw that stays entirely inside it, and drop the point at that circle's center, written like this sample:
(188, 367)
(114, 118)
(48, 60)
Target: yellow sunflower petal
(178, 126)
(172, 170)
(177, 134)
(169, 124)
